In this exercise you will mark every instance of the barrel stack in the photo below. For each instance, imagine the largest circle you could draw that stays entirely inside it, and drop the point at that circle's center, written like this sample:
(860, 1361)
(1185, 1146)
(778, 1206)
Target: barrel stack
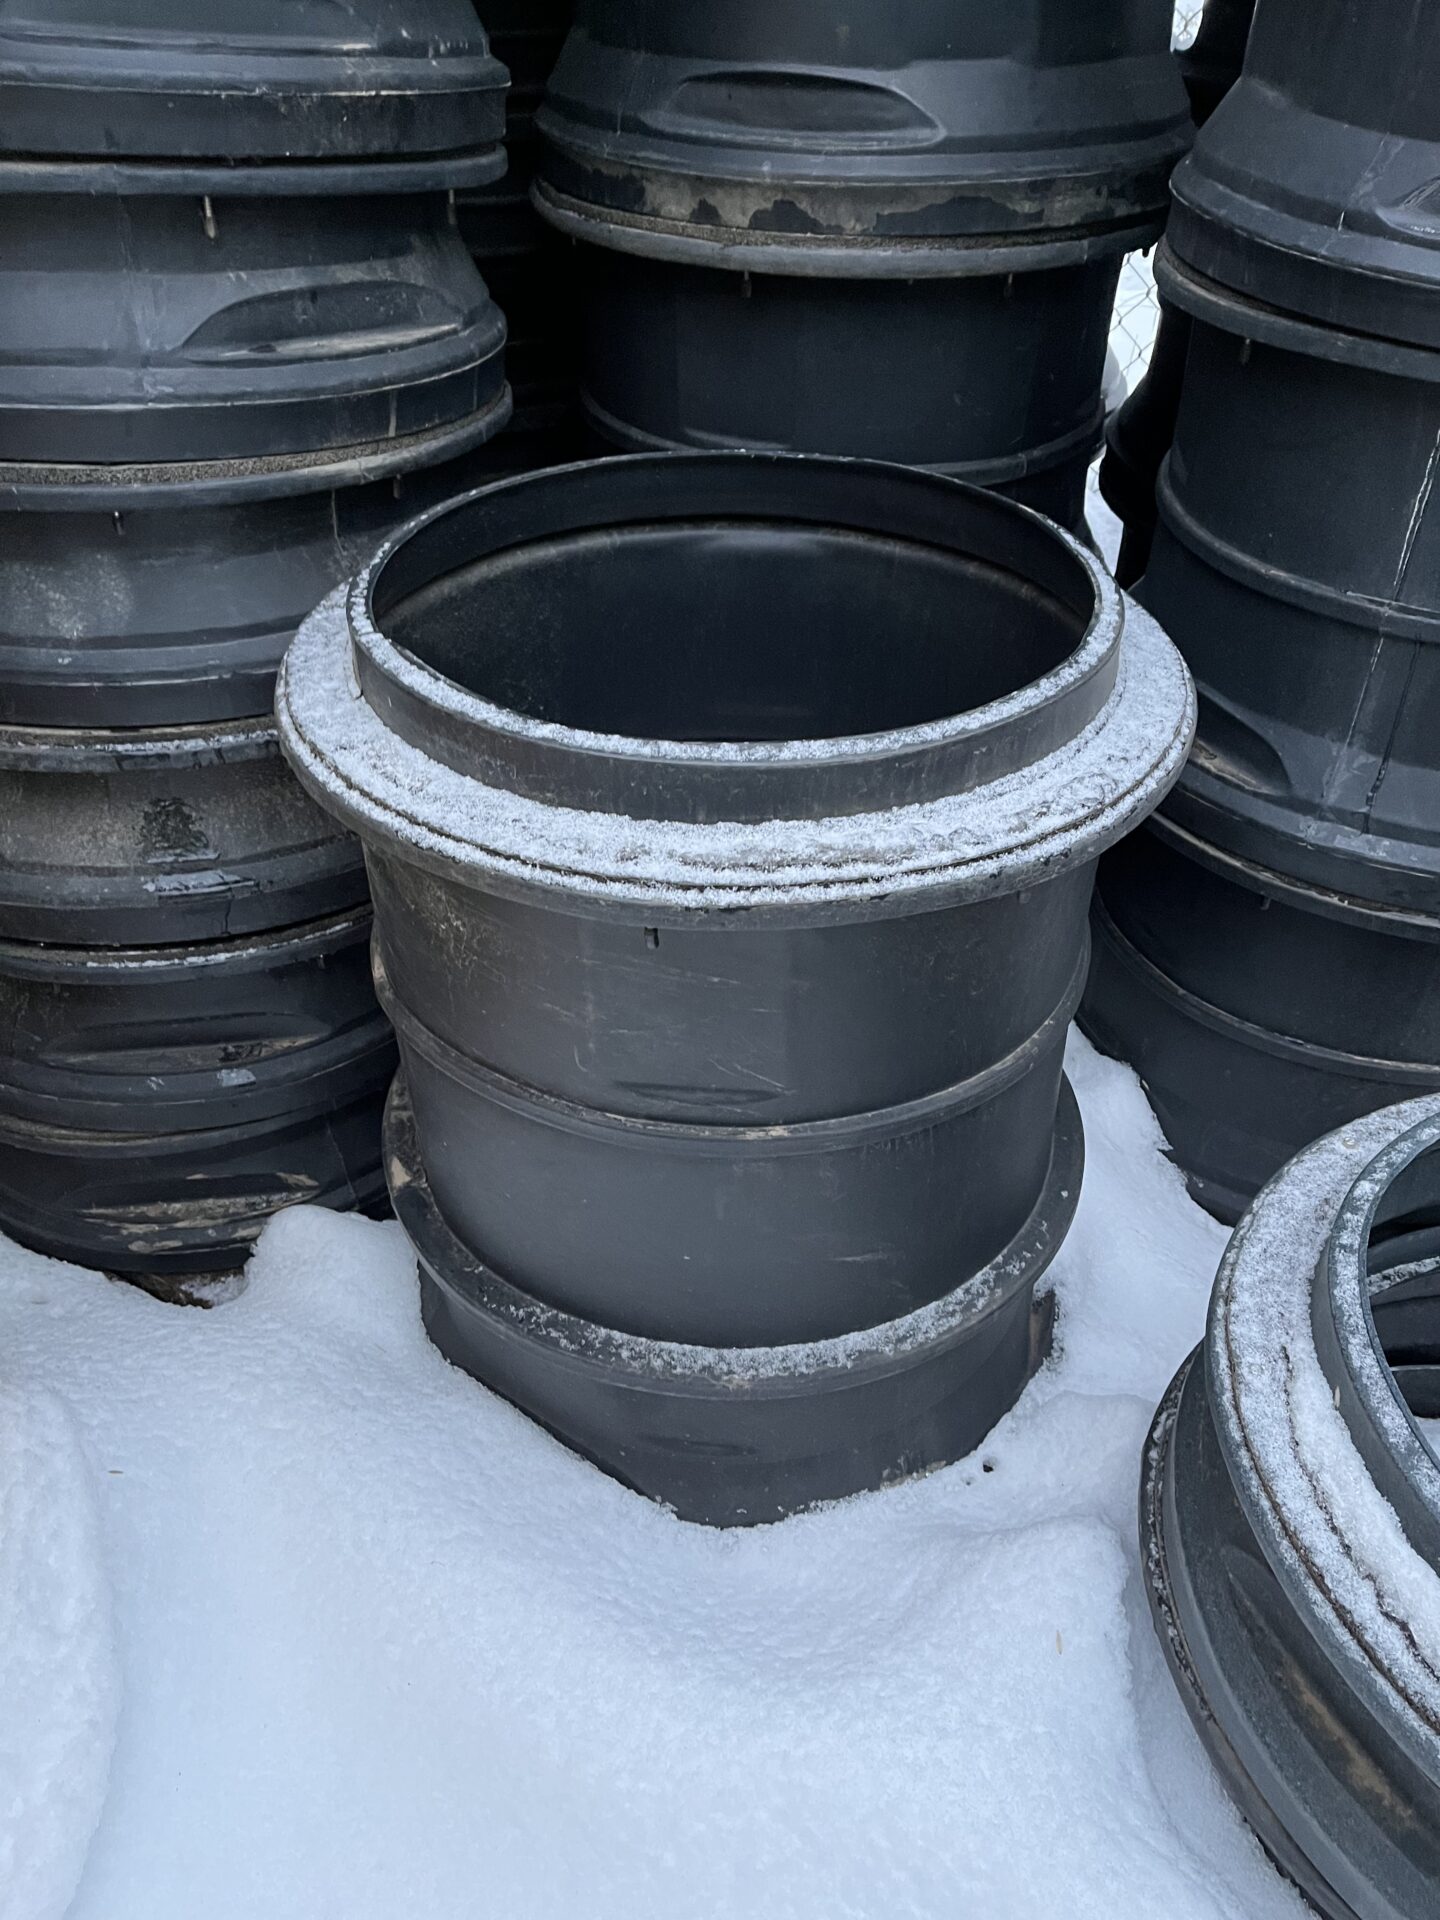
(894, 235)
(240, 340)
(1267, 951)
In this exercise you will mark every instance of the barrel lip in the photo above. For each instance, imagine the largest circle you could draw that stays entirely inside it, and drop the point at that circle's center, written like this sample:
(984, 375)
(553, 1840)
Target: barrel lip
(114, 488)
(273, 179)
(1057, 810)
(732, 1373)
(1246, 314)
(257, 952)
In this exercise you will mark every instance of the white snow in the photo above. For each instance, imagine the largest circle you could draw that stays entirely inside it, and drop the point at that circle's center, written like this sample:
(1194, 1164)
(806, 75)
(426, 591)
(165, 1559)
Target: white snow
(384, 1649)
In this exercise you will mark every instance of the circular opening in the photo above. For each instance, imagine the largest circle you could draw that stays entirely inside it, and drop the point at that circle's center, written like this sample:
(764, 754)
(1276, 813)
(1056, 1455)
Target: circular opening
(859, 603)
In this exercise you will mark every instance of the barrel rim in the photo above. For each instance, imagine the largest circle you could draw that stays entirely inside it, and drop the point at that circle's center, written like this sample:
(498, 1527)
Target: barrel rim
(1054, 812)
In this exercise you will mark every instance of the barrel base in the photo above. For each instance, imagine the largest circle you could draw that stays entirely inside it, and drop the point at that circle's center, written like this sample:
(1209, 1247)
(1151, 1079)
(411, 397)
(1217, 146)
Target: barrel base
(744, 1436)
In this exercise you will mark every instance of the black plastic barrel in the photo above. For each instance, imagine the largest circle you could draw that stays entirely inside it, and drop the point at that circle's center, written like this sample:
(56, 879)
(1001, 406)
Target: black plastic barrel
(169, 599)
(170, 1205)
(731, 926)
(894, 236)
(241, 340)
(1268, 956)
(1297, 564)
(1290, 1521)
(159, 328)
(1138, 434)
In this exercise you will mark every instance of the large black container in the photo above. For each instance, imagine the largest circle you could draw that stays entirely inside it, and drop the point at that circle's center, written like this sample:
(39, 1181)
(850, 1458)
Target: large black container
(151, 838)
(738, 894)
(1139, 433)
(900, 238)
(1316, 188)
(1302, 583)
(1272, 968)
(1258, 1012)
(1290, 1522)
(397, 82)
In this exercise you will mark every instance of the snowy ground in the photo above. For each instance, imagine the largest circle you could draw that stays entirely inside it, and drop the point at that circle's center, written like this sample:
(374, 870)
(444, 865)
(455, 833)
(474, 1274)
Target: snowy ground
(300, 1622)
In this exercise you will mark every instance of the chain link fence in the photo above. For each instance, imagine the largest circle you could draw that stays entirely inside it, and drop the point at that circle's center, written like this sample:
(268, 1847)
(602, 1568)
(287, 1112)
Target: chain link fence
(1132, 327)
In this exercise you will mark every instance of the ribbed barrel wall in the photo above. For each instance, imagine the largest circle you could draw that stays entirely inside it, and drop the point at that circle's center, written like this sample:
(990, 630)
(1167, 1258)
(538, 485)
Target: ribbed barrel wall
(739, 897)
(241, 340)
(1269, 955)
(900, 240)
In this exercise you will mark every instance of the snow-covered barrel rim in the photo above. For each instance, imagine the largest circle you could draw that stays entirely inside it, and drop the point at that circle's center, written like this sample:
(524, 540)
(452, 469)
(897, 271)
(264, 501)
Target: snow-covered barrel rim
(1312, 1425)
(1083, 751)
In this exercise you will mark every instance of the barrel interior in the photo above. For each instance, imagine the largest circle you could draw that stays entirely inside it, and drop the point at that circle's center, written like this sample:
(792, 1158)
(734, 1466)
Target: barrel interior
(746, 629)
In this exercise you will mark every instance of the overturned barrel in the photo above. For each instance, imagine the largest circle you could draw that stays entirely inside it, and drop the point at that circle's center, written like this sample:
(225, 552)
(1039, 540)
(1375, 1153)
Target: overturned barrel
(731, 823)
(1268, 955)
(894, 236)
(1290, 1520)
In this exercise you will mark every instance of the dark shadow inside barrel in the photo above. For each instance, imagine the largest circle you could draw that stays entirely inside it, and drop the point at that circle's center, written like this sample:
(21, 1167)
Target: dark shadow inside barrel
(797, 632)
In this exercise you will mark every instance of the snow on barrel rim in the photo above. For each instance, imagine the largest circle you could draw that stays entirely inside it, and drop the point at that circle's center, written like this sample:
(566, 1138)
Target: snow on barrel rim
(1013, 791)
(1305, 1409)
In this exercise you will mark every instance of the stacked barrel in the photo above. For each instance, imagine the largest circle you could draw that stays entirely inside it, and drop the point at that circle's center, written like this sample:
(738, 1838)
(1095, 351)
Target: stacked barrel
(892, 231)
(1267, 951)
(240, 339)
